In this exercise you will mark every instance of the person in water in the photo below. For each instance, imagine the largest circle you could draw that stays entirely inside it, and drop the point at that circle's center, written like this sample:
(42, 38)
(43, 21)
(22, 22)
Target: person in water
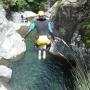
(42, 25)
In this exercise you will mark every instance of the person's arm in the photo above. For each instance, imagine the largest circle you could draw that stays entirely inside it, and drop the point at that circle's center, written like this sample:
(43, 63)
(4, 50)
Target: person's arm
(50, 30)
(32, 27)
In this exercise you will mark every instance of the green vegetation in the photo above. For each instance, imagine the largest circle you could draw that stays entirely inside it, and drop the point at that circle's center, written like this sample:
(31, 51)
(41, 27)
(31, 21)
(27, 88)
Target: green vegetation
(1, 2)
(87, 24)
(85, 31)
(21, 5)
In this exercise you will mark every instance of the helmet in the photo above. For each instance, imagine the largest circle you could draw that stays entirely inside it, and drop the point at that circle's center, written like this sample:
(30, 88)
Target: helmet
(41, 13)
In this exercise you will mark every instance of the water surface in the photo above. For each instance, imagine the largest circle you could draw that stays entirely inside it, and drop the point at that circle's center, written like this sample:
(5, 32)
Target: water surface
(31, 74)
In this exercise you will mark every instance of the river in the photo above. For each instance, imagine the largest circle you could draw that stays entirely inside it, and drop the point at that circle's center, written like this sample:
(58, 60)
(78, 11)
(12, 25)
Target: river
(29, 73)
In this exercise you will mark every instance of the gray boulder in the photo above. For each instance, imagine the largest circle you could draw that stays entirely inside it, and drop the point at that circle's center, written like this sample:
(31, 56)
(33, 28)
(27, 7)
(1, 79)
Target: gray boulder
(5, 73)
(74, 3)
(4, 86)
(11, 43)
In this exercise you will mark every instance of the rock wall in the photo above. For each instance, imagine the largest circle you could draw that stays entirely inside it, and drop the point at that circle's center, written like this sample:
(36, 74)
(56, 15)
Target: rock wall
(68, 20)
(70, 13)
(11, 43)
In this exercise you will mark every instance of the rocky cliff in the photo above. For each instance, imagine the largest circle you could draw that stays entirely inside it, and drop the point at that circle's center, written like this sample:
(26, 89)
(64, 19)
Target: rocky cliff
(11, 43)
(68, 20)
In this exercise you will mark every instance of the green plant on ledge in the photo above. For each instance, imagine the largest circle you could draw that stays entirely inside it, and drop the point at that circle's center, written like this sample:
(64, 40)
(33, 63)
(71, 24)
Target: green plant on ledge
(85, 32)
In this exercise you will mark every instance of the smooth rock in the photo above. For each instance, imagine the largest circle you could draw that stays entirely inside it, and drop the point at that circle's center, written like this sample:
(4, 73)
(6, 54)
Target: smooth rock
(5, 73)
(4, 86)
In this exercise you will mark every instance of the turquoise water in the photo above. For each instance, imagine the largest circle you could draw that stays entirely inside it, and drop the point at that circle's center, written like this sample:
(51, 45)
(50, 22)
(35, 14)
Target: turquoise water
(31, 74)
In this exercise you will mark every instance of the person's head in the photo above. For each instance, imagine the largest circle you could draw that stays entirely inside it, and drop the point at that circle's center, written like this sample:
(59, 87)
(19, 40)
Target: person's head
(41, 14)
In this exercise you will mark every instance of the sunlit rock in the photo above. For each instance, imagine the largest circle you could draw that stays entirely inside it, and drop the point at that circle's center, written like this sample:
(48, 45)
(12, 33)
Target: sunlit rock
(60, 48)
(23, 17)
(11, 43)
(5, 73)
(4, 86)
(12, 46)
(29, 14)
(2, 11)
(51, 12)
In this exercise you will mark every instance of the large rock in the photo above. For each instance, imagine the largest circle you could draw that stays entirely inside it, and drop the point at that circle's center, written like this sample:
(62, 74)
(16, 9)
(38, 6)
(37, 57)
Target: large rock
(11, 43)
(5, 73)
(12, 46)
(4, 86)
(17, 17)
(60, 48)
(51, 12)
(74, 3)
(70, 13)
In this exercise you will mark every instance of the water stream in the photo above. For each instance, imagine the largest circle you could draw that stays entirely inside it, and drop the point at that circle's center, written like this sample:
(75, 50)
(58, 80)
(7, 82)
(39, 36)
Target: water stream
(31, 74)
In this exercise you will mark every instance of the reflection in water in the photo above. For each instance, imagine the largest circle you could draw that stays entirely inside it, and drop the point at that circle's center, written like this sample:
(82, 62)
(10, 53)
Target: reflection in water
(32, 74)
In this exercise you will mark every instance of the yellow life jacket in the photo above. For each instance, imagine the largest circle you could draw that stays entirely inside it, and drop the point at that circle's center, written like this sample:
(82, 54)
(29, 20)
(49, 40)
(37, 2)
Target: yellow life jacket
(43, 40)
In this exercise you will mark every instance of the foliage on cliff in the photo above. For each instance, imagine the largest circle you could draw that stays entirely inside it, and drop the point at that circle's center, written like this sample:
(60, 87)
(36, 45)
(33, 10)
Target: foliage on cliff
(20, 5)
(87, 24)
(85, 32)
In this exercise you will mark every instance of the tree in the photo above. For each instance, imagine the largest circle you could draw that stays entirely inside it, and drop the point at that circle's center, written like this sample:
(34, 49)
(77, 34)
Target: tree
(35, 5)
(21, 5)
